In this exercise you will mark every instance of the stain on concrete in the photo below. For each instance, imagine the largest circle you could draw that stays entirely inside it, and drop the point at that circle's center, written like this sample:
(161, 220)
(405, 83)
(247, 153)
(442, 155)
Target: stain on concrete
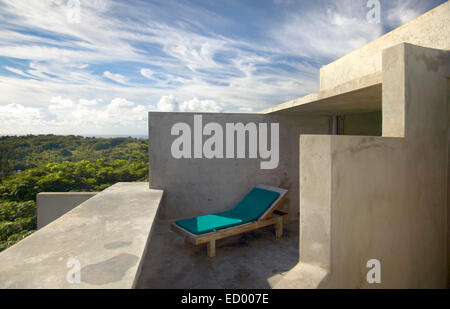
(362, 146)
(434, 63)
(242, 274)
(111, 270)
(71, 229)
(117, 244)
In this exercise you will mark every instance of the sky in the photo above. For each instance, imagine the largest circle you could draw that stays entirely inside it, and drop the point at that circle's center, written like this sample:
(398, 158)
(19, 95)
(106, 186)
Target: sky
(97, 67)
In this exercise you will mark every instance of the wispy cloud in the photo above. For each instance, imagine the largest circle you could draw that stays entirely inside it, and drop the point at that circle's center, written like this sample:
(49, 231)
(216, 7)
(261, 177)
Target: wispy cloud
(115, 77)
(147, 73)
(17, 71)
(127, 57)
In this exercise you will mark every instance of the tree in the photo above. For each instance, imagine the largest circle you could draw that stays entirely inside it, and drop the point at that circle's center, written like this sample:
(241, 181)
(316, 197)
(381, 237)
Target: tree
(6, 162)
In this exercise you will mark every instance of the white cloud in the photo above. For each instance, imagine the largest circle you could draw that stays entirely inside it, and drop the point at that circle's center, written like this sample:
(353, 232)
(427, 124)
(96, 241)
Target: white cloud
(147, 73)
(327, 32)
(65, 116)
(19, 119)
(402, 12)
(196, 105)
(86, 102)
(17, 71)
(88, 113)
(167, 104)
(121, 112)
(115, 77)
(18, 113)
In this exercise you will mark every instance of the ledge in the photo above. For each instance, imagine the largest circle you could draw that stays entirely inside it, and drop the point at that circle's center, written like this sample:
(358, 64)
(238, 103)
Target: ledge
(52, 205)
(107, 235)
(356, 96)
(303, 276)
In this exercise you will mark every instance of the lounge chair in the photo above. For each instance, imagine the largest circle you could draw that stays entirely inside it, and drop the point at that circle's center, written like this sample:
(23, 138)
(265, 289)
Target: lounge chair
(256, 210)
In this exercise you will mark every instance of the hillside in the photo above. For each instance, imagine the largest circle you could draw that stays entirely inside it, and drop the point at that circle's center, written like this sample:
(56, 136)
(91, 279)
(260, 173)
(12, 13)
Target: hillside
(32, 164)
(18, 153)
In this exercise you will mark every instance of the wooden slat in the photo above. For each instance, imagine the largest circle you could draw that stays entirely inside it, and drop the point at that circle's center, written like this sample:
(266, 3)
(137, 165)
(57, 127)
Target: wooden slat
(235, 230)
(280, 213)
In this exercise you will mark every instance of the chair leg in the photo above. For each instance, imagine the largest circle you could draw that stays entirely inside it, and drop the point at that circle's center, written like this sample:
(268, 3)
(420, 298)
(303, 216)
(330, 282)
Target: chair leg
(211, 248)
(279, 227)
(190, 245)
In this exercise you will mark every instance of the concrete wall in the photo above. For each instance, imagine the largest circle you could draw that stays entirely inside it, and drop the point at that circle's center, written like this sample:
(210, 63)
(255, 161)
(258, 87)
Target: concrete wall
(103, 240)
(52, 205)
(384, 198)
(201, 186)
(315, 200)
(448, 187)
(430, 30)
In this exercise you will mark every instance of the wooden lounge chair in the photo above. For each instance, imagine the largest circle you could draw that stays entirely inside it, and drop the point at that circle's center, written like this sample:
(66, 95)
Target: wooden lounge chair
(256, 210)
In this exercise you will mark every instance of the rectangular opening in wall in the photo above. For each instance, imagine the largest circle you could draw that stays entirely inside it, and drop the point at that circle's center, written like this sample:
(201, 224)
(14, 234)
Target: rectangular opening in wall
(367, 124)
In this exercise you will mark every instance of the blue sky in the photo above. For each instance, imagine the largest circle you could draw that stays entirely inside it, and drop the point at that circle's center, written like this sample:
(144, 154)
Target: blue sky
(101, 73)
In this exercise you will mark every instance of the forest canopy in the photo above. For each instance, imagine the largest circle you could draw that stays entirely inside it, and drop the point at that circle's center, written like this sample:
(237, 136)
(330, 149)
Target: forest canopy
(51, 163)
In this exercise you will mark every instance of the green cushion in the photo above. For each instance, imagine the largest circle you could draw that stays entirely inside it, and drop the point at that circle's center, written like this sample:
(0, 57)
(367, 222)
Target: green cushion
(250, 208)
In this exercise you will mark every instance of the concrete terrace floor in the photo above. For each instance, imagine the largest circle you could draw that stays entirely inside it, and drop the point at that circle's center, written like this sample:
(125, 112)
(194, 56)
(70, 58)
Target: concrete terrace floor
(251, 260)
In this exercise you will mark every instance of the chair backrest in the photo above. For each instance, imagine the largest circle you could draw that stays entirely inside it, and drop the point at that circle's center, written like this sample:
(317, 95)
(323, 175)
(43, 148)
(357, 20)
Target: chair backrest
(275, 203)
(257, 203)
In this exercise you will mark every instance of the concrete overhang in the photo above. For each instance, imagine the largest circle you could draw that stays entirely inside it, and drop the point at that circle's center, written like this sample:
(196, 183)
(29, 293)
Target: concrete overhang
(357, 96)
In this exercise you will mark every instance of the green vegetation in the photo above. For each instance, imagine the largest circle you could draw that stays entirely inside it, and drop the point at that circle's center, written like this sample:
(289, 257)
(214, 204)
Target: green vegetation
(49, 163)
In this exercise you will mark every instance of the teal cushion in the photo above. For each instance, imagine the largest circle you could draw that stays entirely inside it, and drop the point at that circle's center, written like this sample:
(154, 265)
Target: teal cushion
(250, 208)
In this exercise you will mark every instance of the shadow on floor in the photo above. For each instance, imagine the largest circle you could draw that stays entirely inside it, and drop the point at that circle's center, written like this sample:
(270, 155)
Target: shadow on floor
(251, 260)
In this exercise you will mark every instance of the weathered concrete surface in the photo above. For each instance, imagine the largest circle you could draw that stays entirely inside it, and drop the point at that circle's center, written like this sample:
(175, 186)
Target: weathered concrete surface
(107, 234)
(302, 276)
(251, 260)
(315, 194)
(388, 195)
(431, 30)
(315, 215)
(448, 193)
(356, 96)
(394, 92)
(201, 186)
(52, 205)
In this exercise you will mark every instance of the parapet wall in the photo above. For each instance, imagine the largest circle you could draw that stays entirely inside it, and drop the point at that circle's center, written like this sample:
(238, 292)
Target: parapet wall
(99, 244)
(431, 29)
(52, 205)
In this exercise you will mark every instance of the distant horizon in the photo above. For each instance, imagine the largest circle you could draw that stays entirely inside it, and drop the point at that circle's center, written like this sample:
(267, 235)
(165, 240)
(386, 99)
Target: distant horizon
(84, 135)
